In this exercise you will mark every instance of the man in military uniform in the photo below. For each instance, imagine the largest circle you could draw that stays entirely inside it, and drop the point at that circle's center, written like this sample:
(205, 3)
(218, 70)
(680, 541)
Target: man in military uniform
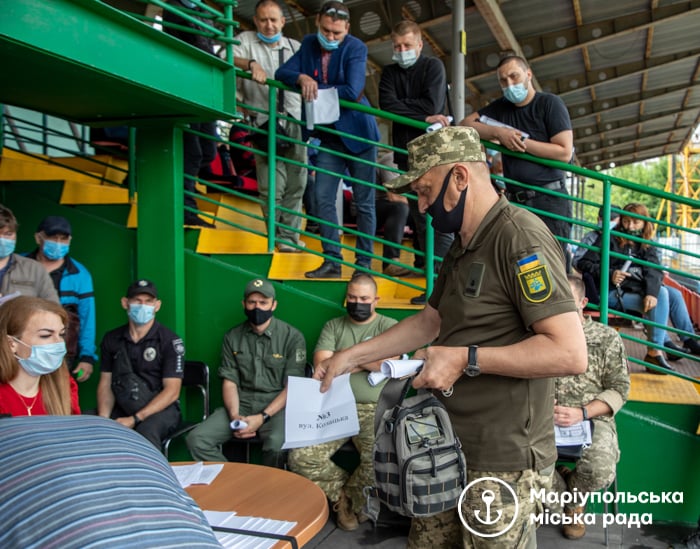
(257, 357)
(314, 462)
(598, 394)
(141, 369)
(501, 322)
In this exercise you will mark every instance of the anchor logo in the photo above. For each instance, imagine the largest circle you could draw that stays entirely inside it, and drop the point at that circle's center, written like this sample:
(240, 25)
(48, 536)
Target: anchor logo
(492, 515)
(488, 496)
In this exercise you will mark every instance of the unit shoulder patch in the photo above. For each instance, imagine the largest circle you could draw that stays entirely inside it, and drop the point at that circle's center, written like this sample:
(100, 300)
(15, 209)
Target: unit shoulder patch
(534, 279)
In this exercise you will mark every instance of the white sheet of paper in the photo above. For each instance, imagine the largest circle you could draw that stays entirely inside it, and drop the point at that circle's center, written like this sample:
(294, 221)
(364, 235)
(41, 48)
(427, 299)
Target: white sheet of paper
(325, 109)
(579, 433)
(197, 473)
(312, 417)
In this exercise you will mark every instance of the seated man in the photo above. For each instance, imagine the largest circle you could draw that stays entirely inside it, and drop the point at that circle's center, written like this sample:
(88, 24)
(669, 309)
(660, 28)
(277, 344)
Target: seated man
(76, 293)
(314, 462)
(257, 357)
(597, 394)
(84, 481)
(392, 214)
(142, 367)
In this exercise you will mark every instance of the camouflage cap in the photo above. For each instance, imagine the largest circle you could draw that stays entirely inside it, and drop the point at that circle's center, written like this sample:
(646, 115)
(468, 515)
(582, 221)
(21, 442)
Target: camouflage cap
(259, 286)
(444, 146)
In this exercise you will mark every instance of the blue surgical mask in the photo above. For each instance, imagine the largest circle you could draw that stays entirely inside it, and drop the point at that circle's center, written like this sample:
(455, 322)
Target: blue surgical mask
(44, 359)
(7, 247)
(328, 45)
(140, 313)
(405, 59)
(55, 250)
(270, 39)
(515, 93)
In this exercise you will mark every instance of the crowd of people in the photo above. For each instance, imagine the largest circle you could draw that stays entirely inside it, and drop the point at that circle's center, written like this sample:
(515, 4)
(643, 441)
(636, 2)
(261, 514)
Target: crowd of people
(505, 343)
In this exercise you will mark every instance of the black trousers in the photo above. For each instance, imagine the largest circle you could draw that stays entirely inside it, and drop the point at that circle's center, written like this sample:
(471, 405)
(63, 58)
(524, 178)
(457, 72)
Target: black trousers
(157, 427)
(198, 153)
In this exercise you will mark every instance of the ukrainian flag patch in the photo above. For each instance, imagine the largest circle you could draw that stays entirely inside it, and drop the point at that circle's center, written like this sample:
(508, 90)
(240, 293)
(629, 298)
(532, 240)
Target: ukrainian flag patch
(534, 279)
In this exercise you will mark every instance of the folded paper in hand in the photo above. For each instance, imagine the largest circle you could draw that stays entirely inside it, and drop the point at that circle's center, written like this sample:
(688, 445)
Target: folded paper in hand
(325, 109)
(579, 433)
(312, 417)
(394, 368)
(492, 122)
(237, 424)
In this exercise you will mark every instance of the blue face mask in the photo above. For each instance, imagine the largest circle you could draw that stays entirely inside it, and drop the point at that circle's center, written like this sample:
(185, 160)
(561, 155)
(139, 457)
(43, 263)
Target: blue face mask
(328, 45)
(55, 250)
(7, 246)
(270, 39)
(405, 59)
(515, 93)
(44, 359)
(140, 313)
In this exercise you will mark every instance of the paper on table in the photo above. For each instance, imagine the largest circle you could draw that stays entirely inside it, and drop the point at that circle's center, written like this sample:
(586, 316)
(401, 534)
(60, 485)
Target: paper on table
(395, 368)
(312, 417)
(492, 122)
(257, 524)
(325, 109)
(580, 433)
(197, 473)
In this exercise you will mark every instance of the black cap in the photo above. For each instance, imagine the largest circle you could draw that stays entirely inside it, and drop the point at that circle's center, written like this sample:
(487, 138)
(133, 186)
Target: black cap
(142, 286)
(54, 224)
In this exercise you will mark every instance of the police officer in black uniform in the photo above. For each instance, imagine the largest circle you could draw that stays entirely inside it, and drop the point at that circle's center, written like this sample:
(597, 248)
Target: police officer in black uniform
(142, 368)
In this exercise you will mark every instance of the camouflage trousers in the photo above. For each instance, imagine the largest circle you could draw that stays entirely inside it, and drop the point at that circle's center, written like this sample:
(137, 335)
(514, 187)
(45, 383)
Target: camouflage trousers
(489, 509)
(596, 468)
(315, 463)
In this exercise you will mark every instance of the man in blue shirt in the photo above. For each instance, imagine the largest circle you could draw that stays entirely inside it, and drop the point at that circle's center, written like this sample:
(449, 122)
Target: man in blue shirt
(73, 283)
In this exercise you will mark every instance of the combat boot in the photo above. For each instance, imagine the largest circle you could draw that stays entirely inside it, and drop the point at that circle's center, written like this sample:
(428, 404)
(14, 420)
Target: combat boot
(345, 516)
(577, 529)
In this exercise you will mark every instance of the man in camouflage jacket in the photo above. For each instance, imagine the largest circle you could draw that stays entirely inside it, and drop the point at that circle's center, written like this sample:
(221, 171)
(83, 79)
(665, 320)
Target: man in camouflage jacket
(597, 394)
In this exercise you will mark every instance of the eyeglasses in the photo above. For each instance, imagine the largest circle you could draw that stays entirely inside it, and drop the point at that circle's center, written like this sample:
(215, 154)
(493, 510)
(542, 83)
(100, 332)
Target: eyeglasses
(336, 13)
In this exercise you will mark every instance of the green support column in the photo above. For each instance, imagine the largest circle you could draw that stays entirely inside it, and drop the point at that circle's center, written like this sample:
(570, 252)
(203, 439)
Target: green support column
(160, 236)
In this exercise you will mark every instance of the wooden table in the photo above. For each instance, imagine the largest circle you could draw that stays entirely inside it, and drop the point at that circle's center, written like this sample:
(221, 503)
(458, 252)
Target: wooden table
(257, 491)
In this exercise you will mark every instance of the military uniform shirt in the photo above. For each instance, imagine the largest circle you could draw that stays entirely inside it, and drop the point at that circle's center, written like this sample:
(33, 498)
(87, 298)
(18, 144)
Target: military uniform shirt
(606, 377)
(509, 276)
(260, 364)
(340, 333)
(159, 354)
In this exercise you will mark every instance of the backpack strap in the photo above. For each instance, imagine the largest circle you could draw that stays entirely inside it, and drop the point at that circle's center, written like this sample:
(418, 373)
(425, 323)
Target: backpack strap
(393, 394)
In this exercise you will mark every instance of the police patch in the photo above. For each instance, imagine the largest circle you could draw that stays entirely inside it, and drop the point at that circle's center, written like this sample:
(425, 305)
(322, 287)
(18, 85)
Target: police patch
(149, 354)
(179, 347)
(301, 355)
(536, 284)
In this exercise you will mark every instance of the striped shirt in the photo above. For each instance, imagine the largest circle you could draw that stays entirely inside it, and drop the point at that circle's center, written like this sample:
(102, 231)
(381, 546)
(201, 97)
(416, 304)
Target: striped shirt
(87, 482)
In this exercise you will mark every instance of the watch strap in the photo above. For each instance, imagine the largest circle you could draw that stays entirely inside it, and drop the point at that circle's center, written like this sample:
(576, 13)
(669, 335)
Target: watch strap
(266, 416)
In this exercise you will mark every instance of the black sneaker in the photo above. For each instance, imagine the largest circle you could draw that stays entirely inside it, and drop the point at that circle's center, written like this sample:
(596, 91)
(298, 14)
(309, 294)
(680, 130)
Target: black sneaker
(419, 300)
(673, 347)
(693, 346)
(328, 269)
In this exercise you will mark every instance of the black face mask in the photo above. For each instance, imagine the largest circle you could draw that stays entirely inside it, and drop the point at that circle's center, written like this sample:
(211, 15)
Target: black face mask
(633, 232)
(444, 221)
(257, 316)
(359, 311)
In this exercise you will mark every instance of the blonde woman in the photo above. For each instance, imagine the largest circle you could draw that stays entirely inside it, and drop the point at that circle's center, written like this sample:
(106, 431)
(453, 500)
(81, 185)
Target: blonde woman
(34, 378)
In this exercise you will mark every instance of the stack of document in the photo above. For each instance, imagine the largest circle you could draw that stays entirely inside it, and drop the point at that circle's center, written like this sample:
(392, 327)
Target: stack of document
(253, 525)
(197, 473)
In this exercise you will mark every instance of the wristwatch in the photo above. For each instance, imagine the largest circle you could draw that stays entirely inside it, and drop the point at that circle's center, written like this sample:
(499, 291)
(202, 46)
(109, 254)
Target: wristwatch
(472, 369)
(266, 416)
(137, 419)
(251, 62)
(585, 413)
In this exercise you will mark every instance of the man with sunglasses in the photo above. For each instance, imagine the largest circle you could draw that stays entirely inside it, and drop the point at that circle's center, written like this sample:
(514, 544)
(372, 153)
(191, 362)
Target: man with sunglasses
(332, 58)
